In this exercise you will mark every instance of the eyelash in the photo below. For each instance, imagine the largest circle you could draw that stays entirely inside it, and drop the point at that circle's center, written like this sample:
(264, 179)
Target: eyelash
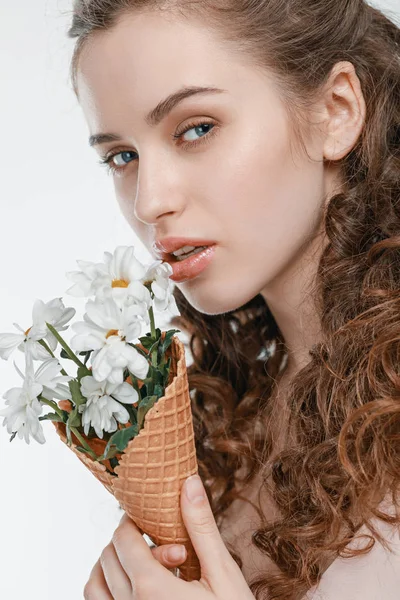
(112, 169)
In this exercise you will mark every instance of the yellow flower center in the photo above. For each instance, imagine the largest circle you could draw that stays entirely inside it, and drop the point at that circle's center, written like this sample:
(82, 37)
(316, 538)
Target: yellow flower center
(28, 330)
(112, 332)
(119, 283)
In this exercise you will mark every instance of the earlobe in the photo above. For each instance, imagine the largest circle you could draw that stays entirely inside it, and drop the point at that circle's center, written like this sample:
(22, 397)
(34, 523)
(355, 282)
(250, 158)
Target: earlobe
(346, 110)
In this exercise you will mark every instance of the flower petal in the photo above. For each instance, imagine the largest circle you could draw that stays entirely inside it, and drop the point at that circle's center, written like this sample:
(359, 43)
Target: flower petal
(126, 393)
(8, 343)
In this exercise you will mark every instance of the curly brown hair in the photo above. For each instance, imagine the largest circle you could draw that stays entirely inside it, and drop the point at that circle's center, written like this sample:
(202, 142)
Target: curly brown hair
(345, 403)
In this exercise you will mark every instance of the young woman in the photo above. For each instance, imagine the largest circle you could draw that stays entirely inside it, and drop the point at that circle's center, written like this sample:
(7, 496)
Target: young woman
(268, 131)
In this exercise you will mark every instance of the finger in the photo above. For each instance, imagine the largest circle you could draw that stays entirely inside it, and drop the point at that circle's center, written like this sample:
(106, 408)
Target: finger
(133, 552)
(117, 580)
(203, 531)
(170, 555)
(96, 587)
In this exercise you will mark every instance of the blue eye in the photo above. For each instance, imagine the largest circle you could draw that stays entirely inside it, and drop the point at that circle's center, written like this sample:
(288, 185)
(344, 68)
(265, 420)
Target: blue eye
(126, 155)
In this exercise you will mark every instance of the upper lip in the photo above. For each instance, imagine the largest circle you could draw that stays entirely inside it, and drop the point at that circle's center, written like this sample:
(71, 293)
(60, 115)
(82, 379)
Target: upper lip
(164, 247)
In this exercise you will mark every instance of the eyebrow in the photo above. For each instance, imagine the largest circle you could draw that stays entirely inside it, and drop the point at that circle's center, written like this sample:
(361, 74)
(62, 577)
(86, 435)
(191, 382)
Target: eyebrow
(159, 113)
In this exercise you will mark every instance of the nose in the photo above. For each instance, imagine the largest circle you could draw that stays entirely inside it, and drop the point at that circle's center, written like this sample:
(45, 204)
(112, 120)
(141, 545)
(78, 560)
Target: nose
(158, 194)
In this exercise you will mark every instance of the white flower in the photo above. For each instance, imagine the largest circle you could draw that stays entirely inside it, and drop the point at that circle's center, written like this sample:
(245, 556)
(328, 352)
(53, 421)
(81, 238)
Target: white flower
(22, 414)
(53, 312)
(24, 408)
(110, 362)
(123, 277)
(101, 411)
(138, 295)
(110, 278)
(52, 382)
(86, 280)
(106, 329)
(162, 286)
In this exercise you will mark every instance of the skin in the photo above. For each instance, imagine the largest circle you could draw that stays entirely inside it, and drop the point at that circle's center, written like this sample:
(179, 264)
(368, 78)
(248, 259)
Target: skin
(128, 570)
(245, 189)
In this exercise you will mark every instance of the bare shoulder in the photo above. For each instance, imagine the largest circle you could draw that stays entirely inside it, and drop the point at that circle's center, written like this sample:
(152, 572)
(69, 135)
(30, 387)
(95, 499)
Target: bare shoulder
(373, 576)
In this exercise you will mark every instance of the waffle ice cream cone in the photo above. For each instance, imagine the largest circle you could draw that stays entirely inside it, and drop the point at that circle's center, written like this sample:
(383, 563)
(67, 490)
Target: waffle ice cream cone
(155, 464)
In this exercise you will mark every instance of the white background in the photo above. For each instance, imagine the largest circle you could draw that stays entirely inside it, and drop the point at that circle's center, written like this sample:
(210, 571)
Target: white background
(57, 205)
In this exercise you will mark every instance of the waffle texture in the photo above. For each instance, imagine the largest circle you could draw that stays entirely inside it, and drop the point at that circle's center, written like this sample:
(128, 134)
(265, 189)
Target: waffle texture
(155, 464)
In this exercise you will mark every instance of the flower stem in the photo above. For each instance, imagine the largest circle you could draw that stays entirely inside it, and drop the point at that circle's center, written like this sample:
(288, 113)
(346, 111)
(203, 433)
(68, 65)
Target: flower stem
(153, 335)
(43, 343)
(56, 408)
(152, 323)
(53, 405)
(67, 349)
(84, 444)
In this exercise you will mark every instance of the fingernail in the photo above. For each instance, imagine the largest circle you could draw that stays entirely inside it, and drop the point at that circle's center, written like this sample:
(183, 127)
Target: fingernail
(176, 553)
(194, 489)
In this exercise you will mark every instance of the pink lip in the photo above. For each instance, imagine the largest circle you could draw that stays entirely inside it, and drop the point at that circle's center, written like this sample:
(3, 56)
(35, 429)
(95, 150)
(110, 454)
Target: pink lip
(164, 247)
(191, 267)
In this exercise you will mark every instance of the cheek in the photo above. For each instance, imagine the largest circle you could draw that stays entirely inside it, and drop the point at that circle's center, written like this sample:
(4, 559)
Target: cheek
(268, 206)
(252, 180)
(265, 190)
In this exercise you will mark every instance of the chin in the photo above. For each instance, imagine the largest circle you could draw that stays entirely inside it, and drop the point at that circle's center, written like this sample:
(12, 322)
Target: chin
(214, 302)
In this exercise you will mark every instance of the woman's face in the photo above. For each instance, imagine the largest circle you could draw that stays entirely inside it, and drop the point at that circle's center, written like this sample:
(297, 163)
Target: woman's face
(231, 178)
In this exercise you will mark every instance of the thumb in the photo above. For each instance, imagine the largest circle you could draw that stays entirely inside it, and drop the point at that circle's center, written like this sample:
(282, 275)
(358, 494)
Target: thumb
(202, 529)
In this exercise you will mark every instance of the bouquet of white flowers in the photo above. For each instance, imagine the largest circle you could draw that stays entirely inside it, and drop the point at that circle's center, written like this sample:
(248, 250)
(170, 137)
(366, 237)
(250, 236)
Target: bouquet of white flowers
(126, 413)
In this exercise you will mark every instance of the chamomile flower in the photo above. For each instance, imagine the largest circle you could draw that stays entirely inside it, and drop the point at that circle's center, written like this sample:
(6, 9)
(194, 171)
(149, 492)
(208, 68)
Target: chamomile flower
(86, 280)
(107, 329)
(111, 278)
(53, 312)
(125, 279)
(21, 416)
(158, 274)
(102, 411)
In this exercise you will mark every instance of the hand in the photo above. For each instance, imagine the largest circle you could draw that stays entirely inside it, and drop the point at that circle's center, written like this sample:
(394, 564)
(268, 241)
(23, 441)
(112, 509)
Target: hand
(129, 570)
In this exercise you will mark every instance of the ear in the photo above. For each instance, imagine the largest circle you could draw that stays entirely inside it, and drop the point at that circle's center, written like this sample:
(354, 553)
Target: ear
(345, 111)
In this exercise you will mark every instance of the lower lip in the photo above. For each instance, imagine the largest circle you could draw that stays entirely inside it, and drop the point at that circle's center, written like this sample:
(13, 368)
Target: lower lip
(191, 267)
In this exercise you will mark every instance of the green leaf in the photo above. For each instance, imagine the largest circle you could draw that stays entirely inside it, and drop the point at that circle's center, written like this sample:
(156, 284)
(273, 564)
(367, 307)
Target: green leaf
(74, 419)
(132, 413)
(87, 356)
(168, 339)
(139, 350)
(119, 441)
(109, 452)
(144, 407)
(158, 378)
(146, 341)
(83, 372)
(158, 391)
(68, 432)
(167, 367)
(75, 388)
(51, 417)
(134, 380)
(154, 346)
(13, 436)
(86, 353)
